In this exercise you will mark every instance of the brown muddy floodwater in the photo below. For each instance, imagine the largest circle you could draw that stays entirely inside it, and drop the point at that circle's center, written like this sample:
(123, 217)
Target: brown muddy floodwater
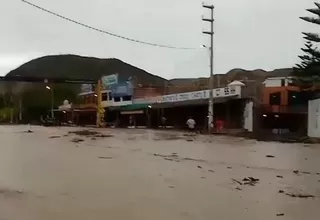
(133, 174)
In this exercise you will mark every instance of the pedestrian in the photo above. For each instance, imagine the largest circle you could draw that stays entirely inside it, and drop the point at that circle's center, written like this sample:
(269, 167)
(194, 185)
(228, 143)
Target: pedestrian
(163, 121)
(131, 121)
(191, 123)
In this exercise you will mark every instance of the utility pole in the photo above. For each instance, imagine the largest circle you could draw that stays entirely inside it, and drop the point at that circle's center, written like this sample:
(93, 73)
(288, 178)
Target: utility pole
(210, 106)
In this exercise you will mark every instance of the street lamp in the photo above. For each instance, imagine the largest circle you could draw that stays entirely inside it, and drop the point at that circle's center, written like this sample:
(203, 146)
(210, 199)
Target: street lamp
(52, 99)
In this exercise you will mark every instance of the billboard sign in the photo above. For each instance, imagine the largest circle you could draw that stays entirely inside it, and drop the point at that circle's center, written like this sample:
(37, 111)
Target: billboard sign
(109, 80)
(86, 88)
(122, 89)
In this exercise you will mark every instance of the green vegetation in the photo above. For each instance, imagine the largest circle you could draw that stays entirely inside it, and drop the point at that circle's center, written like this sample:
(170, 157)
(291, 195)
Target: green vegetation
(35, 99)
(310, 60)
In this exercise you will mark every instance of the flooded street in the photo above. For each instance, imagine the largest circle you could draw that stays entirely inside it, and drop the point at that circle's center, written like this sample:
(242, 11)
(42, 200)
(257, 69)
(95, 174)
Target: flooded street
(143, 174)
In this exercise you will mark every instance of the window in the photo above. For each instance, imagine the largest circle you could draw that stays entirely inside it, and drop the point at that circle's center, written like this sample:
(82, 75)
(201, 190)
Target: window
(283, 82)
(126, 98)
(275, 98)
(104, 96)
(117, 99)
(110, 95)
(292, 82)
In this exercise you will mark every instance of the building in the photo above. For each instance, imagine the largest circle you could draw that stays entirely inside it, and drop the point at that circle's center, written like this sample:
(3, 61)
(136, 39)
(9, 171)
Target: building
(284, 105)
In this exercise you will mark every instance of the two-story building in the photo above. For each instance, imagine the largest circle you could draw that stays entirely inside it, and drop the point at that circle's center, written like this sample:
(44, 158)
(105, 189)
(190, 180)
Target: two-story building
(284, 105)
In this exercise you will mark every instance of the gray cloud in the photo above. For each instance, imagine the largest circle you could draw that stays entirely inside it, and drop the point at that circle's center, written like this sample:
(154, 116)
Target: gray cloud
(250, 34)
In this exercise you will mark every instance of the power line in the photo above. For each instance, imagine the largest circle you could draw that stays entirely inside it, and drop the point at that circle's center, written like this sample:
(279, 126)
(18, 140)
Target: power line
(102, 31)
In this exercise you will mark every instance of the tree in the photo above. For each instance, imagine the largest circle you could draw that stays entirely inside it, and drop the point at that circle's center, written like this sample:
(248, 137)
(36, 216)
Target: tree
(310, 61)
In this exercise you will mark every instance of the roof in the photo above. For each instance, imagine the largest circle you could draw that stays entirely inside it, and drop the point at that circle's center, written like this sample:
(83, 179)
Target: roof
(236, 83)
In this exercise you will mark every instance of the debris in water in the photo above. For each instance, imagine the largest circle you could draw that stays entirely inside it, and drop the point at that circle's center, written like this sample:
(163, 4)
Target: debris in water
(296, 171)
(250, 181)
(203, 177)
(172, 187)
(90, 133)
(237, 181)
(304, 196)
(270, 156)
(103, 135)
(306, 172)
(175, 157)
(189, 140)
(193, 159)
(93, 138)
(52, 137)
(280, 214)
(238, 188)
(77, 140)
(170, 159)
(229, 168)
(8, 192)
(170, 137)
(281, 191)
(318, 174)
(84, 132)
(199, 167)
(211, 171)
(279, 176)
(105, 157)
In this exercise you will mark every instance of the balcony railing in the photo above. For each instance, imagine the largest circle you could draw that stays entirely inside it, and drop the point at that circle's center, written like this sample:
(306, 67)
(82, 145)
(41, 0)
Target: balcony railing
(285, 109)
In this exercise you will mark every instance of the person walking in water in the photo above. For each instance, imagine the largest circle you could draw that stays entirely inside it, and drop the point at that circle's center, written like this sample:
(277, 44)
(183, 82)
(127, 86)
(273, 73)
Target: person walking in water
(191, 123)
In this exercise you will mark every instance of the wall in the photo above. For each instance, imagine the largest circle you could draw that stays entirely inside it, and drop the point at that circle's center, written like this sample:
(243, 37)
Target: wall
(248, 117)
(314, 118)
(146, 92)
(277, 81)
(273, 82)
(266, 91)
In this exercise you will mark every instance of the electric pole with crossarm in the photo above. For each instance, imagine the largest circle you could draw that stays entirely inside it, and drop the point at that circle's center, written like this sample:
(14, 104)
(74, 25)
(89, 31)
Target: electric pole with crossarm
(210, 106)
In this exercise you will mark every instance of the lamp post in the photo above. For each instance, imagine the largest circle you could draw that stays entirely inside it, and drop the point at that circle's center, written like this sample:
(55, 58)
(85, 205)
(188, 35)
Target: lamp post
(52, 100)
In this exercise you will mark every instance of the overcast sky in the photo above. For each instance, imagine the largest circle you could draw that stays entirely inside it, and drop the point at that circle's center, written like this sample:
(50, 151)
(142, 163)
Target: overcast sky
(249, 34)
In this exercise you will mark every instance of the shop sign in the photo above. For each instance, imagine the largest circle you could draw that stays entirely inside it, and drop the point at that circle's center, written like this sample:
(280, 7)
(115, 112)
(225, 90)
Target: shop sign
(86, 88)
(204, 94)
(109, 80)
(121, 89)
(186, 96)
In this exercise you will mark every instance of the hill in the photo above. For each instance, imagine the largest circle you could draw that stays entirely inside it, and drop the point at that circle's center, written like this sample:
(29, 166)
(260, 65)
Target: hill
(258, 76)
(72, 66)
(78, 67)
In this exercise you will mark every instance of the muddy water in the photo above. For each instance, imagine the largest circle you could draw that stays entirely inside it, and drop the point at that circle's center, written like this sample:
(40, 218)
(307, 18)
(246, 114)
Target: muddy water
(143, 174)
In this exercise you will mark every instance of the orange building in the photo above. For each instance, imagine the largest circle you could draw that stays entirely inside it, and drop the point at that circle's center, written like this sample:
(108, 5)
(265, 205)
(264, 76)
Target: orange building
(284, 106)
(282, 95)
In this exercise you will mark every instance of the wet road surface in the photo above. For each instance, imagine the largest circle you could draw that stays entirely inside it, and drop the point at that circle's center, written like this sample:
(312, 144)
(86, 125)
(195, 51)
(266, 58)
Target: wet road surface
(144, 174)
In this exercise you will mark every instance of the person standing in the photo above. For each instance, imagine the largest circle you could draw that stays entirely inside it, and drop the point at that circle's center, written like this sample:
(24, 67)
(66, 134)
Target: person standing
(163, 121)
(191, 123)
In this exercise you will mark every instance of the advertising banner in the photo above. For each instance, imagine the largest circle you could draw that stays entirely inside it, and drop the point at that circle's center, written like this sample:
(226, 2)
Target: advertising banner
(86, 88)
(109, 80)
(122, 89)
